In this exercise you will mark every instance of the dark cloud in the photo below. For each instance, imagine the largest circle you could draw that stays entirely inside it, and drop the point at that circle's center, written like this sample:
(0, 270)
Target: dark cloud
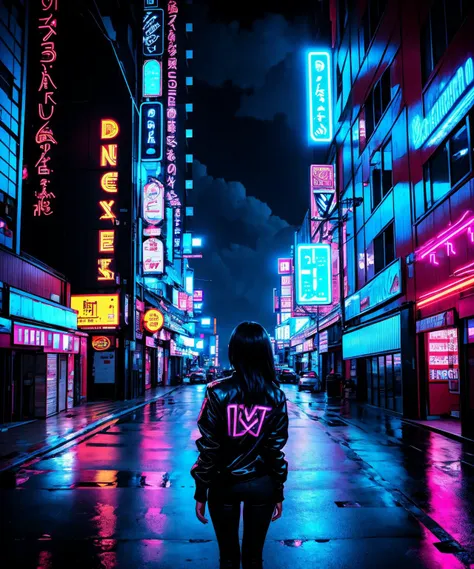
(229, 52)
(243, 240)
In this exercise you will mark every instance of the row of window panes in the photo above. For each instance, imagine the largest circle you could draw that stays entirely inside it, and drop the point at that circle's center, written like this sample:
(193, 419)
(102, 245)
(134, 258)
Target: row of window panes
(381, 173)
(379, 253)
(377, 102)
(384, 381)
(450, 164)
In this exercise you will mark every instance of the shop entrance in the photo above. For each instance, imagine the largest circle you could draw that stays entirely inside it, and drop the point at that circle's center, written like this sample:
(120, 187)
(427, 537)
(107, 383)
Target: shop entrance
(442, 373)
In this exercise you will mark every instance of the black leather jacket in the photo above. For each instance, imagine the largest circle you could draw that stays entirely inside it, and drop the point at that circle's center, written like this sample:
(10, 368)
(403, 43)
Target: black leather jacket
(239, 443)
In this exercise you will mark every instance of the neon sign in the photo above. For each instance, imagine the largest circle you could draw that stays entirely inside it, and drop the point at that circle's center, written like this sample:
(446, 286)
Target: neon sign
(108, 158)
(153, 202)
(448, 108)
(152, 31)
(313, 274)
(285, 266)
(152, 78)
(151, 132)
(445, 239)
(319, 96)
(44, 137)
(172, 126)
(323, 189)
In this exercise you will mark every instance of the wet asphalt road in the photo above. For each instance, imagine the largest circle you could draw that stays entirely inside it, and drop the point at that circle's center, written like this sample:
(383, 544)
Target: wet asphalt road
(356, 498)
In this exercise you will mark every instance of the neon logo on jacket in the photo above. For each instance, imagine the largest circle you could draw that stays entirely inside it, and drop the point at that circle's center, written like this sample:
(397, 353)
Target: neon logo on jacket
(242, 420)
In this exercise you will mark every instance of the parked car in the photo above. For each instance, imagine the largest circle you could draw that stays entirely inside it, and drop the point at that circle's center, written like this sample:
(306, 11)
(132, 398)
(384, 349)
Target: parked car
(309, 381)
(288, 375)
(197, 377)
(211, 374)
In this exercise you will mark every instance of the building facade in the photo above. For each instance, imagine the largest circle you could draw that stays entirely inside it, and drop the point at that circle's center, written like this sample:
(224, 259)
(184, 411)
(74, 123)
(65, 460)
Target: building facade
(43, 357)
(404, 94)
(107, 170)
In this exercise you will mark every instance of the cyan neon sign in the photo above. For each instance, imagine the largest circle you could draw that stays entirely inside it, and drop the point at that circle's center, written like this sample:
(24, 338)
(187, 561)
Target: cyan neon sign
(313, 274)
(448, 109)
(319, 96)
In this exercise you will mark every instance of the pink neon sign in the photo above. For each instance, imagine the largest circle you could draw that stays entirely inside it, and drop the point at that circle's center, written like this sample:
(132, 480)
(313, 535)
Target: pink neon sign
(44, 138)
(445, 239)
(242, 420)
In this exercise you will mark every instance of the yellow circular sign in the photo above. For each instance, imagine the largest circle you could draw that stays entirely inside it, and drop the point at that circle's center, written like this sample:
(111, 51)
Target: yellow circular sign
(153, 320)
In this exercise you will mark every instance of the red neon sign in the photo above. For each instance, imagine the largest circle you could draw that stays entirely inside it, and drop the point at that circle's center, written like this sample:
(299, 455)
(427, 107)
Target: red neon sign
(44, 137)
(444, 291)
(109, 130)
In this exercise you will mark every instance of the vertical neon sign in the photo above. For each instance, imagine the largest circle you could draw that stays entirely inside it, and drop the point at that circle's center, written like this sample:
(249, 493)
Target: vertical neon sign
(108, 158)
(44, 137)
(171, 126)
(319, 96)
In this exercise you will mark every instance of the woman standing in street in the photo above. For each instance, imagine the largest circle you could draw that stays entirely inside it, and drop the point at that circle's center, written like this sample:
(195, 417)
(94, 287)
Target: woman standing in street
(244, 426)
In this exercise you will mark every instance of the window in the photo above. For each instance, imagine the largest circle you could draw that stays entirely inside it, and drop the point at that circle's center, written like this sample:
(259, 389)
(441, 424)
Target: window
(378, 101)
(338, 82)
(459, 154)
(341, 18)
(443, 22)
(436, 176)
(6, 80)
(384, 249)
(371, 19)
(382, 181)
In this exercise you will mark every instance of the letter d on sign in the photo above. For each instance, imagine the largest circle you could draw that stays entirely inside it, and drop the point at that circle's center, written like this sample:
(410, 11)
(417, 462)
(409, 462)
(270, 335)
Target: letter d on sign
(108, 129)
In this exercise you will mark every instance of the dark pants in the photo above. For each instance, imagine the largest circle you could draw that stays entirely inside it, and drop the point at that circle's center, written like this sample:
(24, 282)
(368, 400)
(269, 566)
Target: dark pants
(224, 508)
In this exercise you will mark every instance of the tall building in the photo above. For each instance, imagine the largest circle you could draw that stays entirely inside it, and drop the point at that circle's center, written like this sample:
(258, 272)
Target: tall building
(403, 153)
(106, 166)
(42, 355)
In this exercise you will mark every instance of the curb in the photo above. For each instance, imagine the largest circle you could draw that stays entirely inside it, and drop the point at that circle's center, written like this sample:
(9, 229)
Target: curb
(447, 434)
(84, 431)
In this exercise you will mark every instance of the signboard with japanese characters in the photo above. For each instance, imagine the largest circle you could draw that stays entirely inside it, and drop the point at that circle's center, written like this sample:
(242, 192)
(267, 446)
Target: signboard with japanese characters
(285, 266)
(151, 132)
(319, 97)
(45, 119)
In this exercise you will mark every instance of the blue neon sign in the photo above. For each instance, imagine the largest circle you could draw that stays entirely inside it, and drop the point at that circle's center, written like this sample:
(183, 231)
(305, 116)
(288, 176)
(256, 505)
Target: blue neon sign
(313, 274)
(447, 109)
(319, 96)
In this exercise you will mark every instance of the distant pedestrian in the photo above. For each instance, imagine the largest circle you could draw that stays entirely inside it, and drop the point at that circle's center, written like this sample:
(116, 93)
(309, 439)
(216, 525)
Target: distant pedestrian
(244, 426)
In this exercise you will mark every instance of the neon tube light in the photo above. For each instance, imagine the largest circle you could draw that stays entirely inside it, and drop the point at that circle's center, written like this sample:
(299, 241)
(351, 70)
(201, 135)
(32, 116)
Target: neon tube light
(444, 238)
(319, 96)
(442, 292)
(464, 271)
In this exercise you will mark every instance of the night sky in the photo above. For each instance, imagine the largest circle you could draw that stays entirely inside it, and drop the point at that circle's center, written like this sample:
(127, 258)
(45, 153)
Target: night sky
(250, 148)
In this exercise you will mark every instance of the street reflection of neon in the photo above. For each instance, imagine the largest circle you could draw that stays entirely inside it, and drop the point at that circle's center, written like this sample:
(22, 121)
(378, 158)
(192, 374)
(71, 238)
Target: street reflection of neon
(443, 292)
(105, 520)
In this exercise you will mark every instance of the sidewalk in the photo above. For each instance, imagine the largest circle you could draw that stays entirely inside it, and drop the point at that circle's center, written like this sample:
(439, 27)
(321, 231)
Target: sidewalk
(32, 439)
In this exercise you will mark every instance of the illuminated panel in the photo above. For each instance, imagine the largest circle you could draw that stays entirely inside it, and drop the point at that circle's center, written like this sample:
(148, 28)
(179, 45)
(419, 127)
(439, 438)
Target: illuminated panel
(45, 140)
(152, 78)
(105, 273)
(285, 266)
(322, 190)
(313, 274)
(448, 108)
(319, 97)
(96, 311)
(151, 132)
(444, 291)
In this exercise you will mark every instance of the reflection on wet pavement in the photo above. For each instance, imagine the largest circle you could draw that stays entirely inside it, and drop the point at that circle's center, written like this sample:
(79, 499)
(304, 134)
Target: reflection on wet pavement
(124, 498)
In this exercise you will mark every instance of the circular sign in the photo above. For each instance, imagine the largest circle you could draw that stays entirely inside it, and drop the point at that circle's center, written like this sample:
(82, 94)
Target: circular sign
(153, 320)
(101, 343)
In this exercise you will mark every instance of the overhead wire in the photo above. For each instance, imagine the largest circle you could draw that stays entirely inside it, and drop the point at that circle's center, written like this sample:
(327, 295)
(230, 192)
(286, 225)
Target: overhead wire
(112, 43)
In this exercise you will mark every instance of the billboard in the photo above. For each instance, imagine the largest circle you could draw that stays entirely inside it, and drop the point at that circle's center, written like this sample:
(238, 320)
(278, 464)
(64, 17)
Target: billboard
(152, 78)
(96, 311)
(313, 274)
(153, 32)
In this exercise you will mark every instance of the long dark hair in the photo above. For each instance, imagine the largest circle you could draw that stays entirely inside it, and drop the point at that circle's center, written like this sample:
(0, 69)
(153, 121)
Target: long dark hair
(251, 355)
